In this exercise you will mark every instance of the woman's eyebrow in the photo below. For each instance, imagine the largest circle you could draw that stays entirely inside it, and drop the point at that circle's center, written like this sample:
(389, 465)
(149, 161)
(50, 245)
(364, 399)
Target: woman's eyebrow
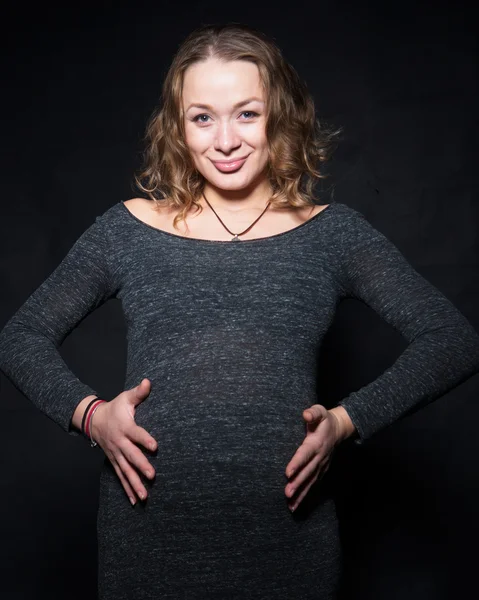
(237, 105)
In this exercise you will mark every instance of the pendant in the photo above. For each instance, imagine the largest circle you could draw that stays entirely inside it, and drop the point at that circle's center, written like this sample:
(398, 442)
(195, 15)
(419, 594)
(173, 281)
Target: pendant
(235, 238)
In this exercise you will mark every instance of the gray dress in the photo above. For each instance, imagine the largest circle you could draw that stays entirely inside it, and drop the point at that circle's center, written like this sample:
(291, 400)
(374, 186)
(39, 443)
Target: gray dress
(228, 333)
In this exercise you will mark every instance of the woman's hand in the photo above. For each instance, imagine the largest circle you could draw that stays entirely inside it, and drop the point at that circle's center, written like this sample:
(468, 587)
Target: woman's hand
(324, 431)
(114, 429)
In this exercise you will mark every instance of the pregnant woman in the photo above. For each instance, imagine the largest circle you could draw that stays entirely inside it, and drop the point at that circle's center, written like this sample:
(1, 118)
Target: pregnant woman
(229, 274)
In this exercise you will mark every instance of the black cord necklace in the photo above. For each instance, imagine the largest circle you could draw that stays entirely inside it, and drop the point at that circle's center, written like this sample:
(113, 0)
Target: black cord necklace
(236, 235)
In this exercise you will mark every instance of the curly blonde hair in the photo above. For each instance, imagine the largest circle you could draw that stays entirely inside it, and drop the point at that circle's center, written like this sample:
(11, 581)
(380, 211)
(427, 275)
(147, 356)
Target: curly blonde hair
(297, 140)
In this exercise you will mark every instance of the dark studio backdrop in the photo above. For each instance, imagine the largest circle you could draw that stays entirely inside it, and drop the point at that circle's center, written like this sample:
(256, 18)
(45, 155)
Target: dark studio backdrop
(78, 87)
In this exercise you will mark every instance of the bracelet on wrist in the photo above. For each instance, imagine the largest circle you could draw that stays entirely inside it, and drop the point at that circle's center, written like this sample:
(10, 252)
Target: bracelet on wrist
(90, 412)
(90, 422)
(83, 421)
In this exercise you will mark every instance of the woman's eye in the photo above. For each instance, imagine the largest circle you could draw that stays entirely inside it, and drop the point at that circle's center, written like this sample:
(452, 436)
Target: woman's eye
(250, 112)
(199, 118)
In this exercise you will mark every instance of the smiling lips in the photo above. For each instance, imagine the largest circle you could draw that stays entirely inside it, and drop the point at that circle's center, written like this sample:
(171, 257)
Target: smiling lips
(228, 166)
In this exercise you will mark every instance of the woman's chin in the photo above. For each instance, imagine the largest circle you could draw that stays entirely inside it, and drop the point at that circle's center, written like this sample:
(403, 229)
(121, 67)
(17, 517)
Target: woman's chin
(229, 182)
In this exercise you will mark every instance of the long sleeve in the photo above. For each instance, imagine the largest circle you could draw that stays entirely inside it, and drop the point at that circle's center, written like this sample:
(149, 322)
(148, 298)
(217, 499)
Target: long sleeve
(29, 341)
(443, 347)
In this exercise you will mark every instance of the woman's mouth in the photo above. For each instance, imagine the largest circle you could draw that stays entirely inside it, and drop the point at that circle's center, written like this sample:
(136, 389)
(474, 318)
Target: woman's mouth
(229, 166)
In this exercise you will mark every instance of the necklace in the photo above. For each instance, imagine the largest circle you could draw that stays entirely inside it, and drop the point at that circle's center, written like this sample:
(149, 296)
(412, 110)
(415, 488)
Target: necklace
(235, 237)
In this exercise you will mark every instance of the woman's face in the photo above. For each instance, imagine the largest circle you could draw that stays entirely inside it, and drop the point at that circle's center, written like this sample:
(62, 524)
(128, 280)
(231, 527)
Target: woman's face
(224, 108)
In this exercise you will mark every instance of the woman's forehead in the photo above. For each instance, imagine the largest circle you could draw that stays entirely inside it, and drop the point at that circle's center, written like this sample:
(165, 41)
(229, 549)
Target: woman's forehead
(213, 80)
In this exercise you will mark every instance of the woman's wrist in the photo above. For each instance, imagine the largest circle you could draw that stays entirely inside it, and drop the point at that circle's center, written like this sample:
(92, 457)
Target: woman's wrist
(89, 420)
(96, 420)
(82, 418)
(346, 426)
(88, 416)
(80, 411)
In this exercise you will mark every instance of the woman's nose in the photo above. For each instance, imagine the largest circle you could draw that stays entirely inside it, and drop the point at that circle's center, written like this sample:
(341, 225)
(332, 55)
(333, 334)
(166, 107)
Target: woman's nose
(227, 137)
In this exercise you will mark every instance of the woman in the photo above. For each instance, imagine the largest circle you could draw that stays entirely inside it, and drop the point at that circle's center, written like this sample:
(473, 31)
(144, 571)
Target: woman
(219, 430)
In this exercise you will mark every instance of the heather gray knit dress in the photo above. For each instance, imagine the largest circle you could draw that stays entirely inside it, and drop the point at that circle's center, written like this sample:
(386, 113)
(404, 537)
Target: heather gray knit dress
(228, 334)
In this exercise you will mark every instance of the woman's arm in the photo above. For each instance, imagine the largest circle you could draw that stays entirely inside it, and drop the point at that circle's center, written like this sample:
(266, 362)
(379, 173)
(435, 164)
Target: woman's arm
(443, 346)
(29, 341)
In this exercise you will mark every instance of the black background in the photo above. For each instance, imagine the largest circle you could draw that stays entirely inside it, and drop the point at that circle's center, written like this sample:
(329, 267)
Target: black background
(79, 83)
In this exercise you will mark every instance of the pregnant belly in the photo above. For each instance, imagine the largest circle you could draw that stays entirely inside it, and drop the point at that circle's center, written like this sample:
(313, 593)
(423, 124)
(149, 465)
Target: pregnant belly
(221, 449)
(217, 501)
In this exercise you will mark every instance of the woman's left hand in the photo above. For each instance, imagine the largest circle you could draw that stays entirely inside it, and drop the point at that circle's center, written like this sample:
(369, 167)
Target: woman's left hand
(312, 459)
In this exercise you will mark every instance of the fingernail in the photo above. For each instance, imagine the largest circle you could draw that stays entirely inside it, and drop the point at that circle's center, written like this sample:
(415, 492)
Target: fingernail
(132, 500)
(141, 495)
(292, 508)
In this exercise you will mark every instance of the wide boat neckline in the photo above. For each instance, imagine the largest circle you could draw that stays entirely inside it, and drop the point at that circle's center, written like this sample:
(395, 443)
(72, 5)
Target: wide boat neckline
(241, 242)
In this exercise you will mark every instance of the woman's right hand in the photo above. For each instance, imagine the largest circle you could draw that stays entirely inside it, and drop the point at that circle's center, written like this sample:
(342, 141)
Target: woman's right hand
(114, 429)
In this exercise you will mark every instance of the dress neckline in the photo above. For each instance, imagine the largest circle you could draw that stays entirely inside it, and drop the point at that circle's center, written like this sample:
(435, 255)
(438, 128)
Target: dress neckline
(240, 243)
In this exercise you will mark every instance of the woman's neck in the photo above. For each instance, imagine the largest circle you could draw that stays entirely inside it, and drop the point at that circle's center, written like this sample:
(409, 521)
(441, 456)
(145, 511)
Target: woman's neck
(236, 201)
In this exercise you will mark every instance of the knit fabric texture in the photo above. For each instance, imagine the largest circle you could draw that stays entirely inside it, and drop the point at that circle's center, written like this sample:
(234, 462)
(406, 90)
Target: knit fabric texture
(229, 334)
